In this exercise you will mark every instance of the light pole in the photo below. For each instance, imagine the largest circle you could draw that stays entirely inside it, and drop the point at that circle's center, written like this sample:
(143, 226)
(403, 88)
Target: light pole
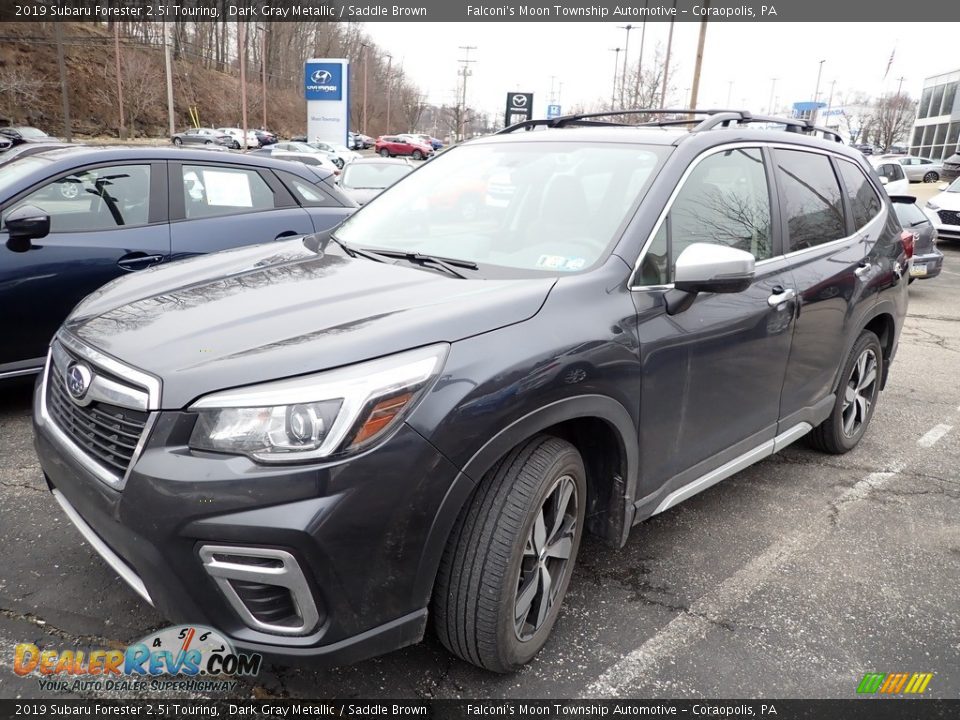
(626, 54)
(773, 85)
(242, 52)
(166, 62)
(616, 69)
(263, 69)
(466, 73)
(116, 54)
(816, 93)
(666, 62)
(694, 91)
(389, 87)
(365, 53)
(643, 37)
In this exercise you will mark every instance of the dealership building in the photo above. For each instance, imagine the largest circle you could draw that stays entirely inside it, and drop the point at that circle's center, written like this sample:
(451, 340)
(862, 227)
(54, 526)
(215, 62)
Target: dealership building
(936, 131)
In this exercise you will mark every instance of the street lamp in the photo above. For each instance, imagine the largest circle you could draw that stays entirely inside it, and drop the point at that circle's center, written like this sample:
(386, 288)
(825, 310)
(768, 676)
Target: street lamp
(616, 68)
(816, 93)
(626, 53)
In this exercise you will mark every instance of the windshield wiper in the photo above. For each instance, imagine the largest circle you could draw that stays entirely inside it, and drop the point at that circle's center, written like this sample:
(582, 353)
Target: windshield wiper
(354, 252)
(450, 265)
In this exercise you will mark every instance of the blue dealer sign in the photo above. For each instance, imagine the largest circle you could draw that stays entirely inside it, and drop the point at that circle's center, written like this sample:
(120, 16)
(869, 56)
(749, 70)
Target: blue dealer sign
(323, 81)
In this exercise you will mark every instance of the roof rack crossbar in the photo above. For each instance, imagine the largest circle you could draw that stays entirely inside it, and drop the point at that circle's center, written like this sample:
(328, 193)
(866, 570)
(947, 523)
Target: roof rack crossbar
(714, 118)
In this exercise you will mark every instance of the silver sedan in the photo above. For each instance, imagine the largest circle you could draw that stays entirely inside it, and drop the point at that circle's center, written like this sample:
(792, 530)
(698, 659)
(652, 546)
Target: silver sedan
(920, 169)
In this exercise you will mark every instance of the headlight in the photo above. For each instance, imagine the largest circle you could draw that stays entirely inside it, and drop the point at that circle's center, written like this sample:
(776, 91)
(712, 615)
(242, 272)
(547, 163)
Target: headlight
(932, 205)
(332, 413)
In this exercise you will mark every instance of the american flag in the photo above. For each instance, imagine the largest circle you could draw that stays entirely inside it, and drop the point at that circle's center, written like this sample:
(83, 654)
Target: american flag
(890, 61)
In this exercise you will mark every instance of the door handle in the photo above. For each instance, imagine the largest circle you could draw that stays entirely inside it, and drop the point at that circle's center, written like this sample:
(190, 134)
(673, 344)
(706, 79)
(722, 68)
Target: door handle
(781, 296)
(286, 234)
(863, 268)
(138, 261)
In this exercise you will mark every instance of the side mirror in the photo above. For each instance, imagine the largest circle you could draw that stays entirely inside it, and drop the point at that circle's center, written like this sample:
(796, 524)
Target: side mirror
(704, 267)
(24, 224)
(883, 180)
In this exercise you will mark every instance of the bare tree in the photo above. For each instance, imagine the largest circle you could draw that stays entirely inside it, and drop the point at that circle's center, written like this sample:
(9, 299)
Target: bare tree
(20, 90)
(141, 91)
(894, 115)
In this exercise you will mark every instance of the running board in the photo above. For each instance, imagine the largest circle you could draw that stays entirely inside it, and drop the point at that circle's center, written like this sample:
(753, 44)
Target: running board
(734, 466)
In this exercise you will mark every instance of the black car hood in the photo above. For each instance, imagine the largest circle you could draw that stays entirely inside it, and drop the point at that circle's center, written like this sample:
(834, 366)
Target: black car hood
(281, 309)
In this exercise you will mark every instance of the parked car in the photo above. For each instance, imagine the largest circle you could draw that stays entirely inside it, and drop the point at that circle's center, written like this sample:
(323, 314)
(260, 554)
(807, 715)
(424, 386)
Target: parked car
(18, 134)
(892, 175)
(265, 137)
(927, 261)
(951, 167)
(333, 441)
(339, 154)
(364, 179)
(918, 169)
(237, 135)
(394, 145)
(5, 144)
(299, 152)
(943, 209)
(428, 140)
(203, 136)
(866, 149)
(71, 219)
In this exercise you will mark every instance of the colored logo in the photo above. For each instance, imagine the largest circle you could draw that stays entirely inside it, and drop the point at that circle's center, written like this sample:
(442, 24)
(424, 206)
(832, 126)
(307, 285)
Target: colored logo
(77, 380)
(894, 683)
(323, 81)
(183, 657)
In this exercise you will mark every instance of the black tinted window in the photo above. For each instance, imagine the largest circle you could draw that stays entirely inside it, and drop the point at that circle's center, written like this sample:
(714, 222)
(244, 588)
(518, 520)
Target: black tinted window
(863, 198)
(811, 199)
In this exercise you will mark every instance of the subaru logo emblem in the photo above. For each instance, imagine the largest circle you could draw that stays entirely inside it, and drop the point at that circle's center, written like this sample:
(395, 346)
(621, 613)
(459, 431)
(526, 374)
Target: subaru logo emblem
(77, 380)
(321, 77)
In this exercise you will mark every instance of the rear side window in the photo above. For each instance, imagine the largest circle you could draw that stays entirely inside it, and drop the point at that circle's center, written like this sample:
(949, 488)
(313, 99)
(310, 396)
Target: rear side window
(864, 200)
(811, 199)
(307, 193)
(891, 171)
(209, 191)
(724, 201)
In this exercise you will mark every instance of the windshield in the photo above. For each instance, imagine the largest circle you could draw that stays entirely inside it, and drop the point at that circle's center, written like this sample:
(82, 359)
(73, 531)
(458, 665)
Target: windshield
(31, 132)
(372, 176)
(909, 214)
(954, 186)
(301, 147)
(549, 206)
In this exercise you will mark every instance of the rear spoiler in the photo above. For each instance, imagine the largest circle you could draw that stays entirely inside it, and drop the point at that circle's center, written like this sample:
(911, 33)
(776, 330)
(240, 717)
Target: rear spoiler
(909, 199)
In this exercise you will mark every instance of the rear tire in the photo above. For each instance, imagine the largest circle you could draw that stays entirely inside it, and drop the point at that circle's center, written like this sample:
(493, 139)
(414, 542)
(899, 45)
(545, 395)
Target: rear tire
(931, 177)
(856, 398)
(384, 153)
(510, 556)
(178, 142)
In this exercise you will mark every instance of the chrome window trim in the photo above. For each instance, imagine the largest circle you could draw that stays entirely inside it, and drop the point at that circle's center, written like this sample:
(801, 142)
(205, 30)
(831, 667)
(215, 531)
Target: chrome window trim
(137, 377)
(686, 175)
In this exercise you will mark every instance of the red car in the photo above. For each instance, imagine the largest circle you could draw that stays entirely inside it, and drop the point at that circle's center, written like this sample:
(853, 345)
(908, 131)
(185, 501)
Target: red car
(392, 145)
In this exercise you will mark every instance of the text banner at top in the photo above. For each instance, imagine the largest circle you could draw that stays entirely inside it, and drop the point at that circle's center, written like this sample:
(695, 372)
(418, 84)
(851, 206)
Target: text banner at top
(850, 11)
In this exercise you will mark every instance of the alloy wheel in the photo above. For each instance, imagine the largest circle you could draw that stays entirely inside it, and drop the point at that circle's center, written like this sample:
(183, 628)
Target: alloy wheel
(546, 557)
(860, 393)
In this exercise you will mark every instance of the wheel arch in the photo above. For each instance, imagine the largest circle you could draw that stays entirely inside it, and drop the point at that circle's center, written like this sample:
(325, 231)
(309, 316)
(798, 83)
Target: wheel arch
(881, 323)
(606, 436)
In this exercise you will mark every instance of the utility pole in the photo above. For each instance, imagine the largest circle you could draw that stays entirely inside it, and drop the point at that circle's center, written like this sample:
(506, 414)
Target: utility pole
(166, 61)
(816, 92)
(643, 37)
(626, 53)
(389, 87)
(553, 94)
(900, 85)
(242, 52)
(366, 51)
(699, 61)
(616, 69)
(64, 87)
(666, 64)
(116, 52)
(773, 86)
(263, 70)
(466, 73)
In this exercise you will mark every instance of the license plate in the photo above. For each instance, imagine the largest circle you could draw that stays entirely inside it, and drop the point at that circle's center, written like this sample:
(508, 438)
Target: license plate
(918, 271)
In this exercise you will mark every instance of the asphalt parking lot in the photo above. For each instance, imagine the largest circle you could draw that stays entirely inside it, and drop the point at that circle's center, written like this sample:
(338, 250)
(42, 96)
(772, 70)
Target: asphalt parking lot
(792, 578)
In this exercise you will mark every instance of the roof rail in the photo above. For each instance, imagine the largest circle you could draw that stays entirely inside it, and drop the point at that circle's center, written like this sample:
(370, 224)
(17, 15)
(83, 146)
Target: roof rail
(715, 118)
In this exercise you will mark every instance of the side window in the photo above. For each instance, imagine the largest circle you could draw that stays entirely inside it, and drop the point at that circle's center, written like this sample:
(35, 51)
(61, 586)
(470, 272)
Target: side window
(92, 200)
(724, 201)
(811, 199)
(209, 191)
(863, 198)
(308, 194)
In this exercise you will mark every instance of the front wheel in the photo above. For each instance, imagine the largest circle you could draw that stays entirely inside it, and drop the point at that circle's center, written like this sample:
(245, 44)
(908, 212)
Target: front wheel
(856, 398)
(385, 153)
(511, 554)
(931, 177)
(417, 155)
(178, 142)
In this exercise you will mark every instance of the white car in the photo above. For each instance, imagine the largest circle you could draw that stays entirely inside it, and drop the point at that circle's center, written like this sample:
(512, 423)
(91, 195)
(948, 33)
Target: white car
(237, 134)
(340, 154)
(891, 175)
(943, 210)
(300, 152)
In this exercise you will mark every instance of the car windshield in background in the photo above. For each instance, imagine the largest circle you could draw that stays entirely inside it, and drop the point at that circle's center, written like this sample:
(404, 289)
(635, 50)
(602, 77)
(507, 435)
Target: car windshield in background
(954, 187)
(31, 132)
(372, 176)
(548, 206)
(302, 147)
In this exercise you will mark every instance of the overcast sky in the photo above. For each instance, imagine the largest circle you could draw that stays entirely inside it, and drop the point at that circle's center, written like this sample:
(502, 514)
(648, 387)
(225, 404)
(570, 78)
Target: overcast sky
(524, 56)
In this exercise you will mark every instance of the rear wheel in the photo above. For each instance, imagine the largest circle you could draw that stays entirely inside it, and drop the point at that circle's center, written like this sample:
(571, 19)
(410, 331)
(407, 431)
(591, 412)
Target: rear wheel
(178, 142)
(510, 557)
(856, 398)
(384, 153)
(931, 177)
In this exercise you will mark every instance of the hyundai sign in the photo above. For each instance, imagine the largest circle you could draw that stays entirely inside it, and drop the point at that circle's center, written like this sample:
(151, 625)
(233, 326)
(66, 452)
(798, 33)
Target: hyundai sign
(326, 87)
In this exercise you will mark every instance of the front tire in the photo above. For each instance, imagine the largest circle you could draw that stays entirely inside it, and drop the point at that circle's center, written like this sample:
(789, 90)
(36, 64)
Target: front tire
(384, 153)
(931, 177)
(856, 398)
(510, 557)
(178, 142)
(417, 155)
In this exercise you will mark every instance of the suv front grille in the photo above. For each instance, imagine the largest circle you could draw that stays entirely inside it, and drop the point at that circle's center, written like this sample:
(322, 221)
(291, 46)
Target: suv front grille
(949, 217)
(107, 433)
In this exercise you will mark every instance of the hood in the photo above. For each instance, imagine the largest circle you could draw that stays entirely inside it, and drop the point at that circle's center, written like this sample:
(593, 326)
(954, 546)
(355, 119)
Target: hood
(946, 200)
(277, 310)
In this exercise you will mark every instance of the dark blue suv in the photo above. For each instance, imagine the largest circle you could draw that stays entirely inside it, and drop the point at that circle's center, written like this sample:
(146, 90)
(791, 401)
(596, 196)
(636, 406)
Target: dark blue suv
(321, 446)
(73, 218)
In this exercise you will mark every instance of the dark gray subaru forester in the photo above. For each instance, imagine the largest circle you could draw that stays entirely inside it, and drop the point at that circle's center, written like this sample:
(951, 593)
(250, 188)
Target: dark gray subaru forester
(320, 445)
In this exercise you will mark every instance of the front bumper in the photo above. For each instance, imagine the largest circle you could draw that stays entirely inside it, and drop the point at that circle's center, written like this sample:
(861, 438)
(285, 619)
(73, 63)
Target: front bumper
(358, 530)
